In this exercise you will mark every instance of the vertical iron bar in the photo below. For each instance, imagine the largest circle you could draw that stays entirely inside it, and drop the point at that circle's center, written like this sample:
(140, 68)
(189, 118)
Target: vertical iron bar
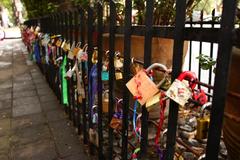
(99, 80)
(177, 67)
(111, 75)
(90, 51)
(70, 27)
(78, 105)
(221, 79)
(84, 104)
(200, 48)
(190, 49)
(211, 51)
(126, 75)
(82, 24)
(147, 62)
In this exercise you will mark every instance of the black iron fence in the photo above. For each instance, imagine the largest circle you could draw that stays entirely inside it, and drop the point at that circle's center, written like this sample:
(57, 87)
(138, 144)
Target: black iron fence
(82, 25)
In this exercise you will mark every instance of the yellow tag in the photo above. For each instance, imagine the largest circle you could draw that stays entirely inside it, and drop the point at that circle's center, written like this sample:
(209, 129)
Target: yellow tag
(151, 102)
(58, 43)
(142, 85)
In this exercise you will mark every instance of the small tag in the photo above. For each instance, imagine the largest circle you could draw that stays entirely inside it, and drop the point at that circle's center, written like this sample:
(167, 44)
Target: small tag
(147, 88)
(63, 43)
(151, 102)
(58, 43)
(76, 50)
(69, 73)
(105, 75)
(118, 75)
(179, 92)
(118, 63)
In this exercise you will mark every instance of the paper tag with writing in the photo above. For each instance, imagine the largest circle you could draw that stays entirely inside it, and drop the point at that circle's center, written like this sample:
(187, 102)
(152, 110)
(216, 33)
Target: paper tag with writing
(146, 87)
(179, 92)
(151, 102)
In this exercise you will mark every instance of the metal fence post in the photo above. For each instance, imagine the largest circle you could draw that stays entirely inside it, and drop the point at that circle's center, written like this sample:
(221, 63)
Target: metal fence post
(111, 74)
(221, 79)
(126, 76)
(177, 67)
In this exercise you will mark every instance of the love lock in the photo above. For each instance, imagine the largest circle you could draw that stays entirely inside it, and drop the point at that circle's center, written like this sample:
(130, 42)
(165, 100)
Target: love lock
(142, 86)
(116, 121)
(82, 54)
(180, 91)
(70, 53)
(105, 101)
(94, 115)
(70, 71)
(203, 122)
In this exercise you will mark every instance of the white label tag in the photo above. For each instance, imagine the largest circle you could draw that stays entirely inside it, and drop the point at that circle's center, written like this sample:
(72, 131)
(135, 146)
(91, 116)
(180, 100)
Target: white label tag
(179, 92)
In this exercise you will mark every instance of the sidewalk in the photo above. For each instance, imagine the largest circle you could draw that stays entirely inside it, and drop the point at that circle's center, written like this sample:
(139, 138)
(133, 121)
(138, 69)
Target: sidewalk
(33, 126)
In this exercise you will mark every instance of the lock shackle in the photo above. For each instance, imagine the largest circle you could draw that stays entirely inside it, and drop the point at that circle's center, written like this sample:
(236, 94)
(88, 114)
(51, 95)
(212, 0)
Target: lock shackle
(59, 58)
(188, 75)
(105, 94)
(204, 107)
(95, 56)
(85, 47)
(202, 157)
(78, 44)
(93, 107)
(118, 108)
(158, 65)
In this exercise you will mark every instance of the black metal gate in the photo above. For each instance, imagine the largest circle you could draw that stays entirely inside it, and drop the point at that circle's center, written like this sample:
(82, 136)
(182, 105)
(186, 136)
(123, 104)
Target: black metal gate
(73, 25)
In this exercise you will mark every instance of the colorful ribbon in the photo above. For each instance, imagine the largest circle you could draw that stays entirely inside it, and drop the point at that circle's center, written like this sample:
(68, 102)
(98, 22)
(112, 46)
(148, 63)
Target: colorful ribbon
(64, 81)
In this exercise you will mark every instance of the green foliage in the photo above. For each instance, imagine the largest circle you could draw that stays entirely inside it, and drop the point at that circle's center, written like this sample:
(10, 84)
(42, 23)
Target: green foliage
(36, 8)
(164, 10)
(8, 4)
(206, 62)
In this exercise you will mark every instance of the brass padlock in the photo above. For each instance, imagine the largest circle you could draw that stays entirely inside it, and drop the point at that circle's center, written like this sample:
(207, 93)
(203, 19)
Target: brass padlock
(95, 56)
(203, 123)
(118, 75)
(93, 137)
(105, 101)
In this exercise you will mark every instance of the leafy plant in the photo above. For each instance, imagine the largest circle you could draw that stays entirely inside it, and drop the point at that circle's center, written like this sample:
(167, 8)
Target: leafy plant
(164, 11)
(206, 62)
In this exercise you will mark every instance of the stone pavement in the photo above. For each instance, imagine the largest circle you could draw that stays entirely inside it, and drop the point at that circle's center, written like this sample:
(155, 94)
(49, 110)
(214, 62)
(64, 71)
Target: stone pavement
(33, 126)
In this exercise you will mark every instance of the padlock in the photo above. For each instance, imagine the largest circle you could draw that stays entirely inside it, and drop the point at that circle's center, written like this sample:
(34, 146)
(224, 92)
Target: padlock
(116, 121)
(105, 73)
(203, 123)
(141, 85)
(76, 49)
(59, 43)
(70, 53)
(66, 46)
(94, 114)
(63, 43)
(180, 91)
(82, 54)
(135, 67)
(118, 75)
(93, 136)
(95, 56)
(105, 102)
(118, 62)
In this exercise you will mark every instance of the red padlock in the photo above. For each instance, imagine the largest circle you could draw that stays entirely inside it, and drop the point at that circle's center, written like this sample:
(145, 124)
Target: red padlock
(190, 76)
